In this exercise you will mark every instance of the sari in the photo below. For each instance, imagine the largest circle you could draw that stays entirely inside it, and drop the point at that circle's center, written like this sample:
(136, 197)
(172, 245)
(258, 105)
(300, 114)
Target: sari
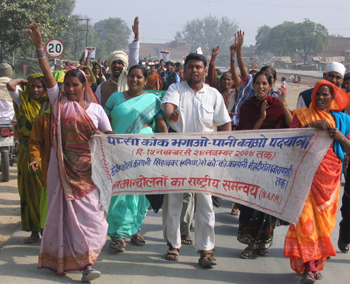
(152, 82)
(75, 228)
(29, 181)
(127, 212)
(255, 227)
(308, 243)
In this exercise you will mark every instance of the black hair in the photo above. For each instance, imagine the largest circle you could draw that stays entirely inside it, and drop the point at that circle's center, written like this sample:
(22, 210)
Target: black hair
(76, 73)
(178, 64)
(228, 73)
(162, 60)
(253, 71)
(268, 76)
(96, 63)
(218, 71)
(270, 68)
(157, 65)
(143, 70)
(347, 76)
(283, 79)
(85, 68)
(41, 79)
(171, 63)
(196, 56)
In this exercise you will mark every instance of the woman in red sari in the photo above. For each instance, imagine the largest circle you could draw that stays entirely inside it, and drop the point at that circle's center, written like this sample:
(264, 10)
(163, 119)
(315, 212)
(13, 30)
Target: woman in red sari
(260, 112)
(308, 244)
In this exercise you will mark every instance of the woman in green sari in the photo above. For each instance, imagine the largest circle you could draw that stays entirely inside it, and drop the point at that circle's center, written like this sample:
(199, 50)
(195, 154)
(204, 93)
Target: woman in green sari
(28, 105)
(132, 111)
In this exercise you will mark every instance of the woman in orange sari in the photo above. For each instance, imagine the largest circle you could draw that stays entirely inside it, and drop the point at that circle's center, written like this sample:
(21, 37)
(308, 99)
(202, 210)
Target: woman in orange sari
(308, 243)
(154, 81)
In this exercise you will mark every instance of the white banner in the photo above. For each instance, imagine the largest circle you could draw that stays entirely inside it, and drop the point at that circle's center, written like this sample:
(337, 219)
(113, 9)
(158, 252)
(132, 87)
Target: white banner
(92, 54)
(271, 171)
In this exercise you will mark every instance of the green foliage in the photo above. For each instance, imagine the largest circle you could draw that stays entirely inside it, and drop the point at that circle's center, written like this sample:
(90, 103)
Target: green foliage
(210, 32)
(16, 15)
(106, 35)
(289, 38)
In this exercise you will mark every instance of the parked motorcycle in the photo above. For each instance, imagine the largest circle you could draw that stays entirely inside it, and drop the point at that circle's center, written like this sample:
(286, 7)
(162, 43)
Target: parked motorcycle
(7, 148)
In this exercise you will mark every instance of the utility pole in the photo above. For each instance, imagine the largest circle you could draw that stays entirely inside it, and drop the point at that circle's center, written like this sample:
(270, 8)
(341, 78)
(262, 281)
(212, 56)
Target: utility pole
(76, 33)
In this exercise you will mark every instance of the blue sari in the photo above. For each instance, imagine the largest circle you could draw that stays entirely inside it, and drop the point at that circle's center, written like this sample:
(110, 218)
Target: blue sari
(127, 212)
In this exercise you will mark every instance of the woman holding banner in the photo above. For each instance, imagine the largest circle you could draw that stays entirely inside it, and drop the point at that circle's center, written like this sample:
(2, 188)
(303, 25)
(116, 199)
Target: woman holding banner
(308, 244)
(261, 112)
(75, 228)
(132, 111)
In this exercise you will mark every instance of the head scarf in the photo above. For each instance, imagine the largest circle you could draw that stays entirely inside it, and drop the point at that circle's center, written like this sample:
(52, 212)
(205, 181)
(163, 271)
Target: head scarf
(340, 102)
(29, 108)
(123, 57)
(92, 76)
(6, 70)
(335, 67)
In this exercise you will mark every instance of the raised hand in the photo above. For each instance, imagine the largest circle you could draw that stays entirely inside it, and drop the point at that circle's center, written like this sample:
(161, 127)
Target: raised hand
(135, 27)
(35, 35)
(215, 51)
(239, 38)
(233, 48)
(281, 94)
(264, 107)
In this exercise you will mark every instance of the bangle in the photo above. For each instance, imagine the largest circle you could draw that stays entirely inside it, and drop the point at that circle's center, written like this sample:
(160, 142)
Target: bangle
(240, 58)
(136, 39)
(232, 60)
(40, 53)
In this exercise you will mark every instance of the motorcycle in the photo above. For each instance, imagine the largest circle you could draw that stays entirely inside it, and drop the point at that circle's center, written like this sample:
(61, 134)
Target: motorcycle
(7, 148)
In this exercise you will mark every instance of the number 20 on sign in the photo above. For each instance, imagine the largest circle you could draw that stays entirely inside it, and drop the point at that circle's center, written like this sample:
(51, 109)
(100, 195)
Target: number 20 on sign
(54, 48)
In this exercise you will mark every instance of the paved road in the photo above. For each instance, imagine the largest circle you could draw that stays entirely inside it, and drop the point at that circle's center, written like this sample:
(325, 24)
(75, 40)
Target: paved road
(18, 262)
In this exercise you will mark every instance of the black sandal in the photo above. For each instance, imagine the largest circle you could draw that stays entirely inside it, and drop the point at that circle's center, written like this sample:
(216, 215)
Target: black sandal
(207, 259)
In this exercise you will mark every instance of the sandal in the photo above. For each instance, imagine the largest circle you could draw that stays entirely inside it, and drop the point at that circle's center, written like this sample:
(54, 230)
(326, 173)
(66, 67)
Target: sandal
(344, 247)
(32, 239)
(247, 252)
(318, 275)
(118, 245)
(207, 259)
(172, 253)
(308, 278)
(186, 241)
(262, 252)
(92, 275)
(137, 240)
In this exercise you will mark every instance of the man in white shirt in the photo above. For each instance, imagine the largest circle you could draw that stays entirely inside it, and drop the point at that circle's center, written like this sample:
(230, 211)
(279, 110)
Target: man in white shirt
(6, 105)
(191, 106)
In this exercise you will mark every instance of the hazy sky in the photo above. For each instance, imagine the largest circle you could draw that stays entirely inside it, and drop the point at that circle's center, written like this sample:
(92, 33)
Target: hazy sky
(159, 20)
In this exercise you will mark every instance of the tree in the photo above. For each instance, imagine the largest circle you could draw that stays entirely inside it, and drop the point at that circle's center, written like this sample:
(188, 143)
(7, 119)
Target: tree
(289, 38)
(209, 32)
(309, 37)
(16, 15)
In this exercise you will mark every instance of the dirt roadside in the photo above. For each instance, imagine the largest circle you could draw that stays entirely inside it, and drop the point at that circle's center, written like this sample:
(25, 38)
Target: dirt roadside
(10, 215)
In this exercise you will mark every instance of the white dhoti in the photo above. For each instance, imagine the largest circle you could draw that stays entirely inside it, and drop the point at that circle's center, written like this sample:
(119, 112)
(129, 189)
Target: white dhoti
(205, 221)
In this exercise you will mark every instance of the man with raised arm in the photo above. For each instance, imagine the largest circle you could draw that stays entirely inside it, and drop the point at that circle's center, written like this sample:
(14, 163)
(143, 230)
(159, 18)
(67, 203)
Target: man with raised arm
(119, 63)
(191, 106)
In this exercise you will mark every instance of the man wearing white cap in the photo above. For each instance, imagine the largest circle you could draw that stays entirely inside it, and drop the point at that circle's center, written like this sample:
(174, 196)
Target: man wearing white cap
(334, 73)
(119, 63)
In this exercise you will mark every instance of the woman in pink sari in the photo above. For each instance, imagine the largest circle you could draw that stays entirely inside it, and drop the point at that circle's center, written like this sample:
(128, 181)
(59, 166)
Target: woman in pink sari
(75, 228)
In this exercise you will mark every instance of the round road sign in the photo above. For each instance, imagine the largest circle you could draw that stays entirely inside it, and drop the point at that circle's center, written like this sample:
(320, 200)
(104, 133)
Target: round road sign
(54, 48)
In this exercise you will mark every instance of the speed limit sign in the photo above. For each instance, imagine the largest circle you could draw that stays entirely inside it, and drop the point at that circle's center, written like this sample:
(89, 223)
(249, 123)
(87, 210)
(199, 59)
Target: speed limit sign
(54, 48)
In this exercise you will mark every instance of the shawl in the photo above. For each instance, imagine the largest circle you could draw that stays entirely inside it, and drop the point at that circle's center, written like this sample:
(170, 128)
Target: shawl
(308, 115)
(92, 76)
(4, 93)
(335, 118)
(122, 80)
(73, 128)
(152, 81)
(29, 109)
(250, 113)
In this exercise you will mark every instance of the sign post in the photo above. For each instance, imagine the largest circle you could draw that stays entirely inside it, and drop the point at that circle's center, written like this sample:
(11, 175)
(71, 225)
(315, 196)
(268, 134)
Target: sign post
(54, 48)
